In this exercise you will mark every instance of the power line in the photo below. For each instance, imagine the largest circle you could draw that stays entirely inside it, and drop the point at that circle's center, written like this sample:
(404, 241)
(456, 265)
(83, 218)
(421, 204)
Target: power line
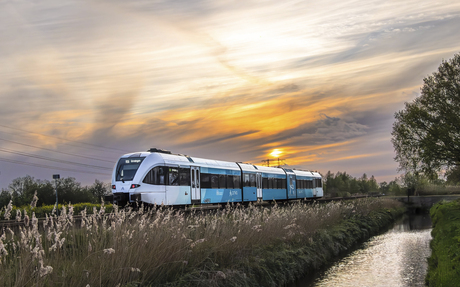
(50, 167)
(77, 155)
(80, 142)
(53, 159)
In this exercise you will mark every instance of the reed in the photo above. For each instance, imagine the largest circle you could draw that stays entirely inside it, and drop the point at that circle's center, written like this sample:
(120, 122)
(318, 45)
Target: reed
(162, 246)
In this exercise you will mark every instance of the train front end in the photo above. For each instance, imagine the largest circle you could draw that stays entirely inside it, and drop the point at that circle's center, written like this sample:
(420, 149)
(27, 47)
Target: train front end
(123, 178)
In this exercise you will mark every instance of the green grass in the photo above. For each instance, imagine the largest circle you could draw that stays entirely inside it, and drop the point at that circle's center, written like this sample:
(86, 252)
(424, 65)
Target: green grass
(444, 263)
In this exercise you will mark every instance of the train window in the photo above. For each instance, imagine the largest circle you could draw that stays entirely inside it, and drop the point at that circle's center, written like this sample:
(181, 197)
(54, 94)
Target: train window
(173, 176)
(303, 184)
(271, 182)
(265, 182)
(127, 168)
(318, 182)
(157, 176)
(309, 184)
(222, 181)
(149, 177)
(184, 176)
(230, 181)
(283, 183)
(205, 180)
(214, 180)
(236, 181)
(246, 179)
(252, 179)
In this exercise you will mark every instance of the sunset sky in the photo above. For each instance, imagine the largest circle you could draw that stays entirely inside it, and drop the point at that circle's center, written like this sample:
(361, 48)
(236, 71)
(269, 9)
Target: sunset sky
(315, 83)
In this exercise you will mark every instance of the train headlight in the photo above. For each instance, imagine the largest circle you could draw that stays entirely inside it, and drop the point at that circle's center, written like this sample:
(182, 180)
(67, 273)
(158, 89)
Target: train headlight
(134, 185)
(114, 186)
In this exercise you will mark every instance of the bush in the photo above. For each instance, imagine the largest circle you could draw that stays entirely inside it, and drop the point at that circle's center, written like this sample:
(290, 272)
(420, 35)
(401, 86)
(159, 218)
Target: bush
(444, 262)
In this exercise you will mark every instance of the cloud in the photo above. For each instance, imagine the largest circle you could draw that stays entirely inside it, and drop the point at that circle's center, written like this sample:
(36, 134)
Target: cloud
(320, 80)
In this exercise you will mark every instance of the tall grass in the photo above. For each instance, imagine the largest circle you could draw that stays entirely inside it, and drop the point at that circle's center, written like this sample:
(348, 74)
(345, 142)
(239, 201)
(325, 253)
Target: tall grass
(160, 245)
(41, 211)
(432, 189)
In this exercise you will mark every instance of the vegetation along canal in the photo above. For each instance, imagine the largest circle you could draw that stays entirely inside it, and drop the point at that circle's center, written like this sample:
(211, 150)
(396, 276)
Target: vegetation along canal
(396, 258)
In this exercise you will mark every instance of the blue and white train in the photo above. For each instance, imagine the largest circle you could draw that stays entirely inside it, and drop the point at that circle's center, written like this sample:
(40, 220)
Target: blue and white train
(159, 177)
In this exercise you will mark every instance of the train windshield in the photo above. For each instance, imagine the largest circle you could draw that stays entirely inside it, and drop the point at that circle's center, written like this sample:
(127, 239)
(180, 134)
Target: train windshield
(127, 167)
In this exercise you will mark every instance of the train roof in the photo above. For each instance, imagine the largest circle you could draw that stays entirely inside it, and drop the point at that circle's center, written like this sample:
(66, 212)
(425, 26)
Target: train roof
(184, 160)
(267, 169)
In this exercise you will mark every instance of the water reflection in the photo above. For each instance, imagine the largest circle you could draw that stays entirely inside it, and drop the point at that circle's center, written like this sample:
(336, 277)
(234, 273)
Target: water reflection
(396, 258)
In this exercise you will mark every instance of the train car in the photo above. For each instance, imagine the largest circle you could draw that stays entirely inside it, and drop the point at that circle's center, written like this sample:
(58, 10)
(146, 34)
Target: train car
(309, 184)
(273, 183)
(251, 182)
(160, 177)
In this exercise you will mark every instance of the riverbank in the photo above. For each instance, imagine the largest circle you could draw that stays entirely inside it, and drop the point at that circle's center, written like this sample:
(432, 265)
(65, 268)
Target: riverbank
(235, 246)
(280, 263)
(444, 263)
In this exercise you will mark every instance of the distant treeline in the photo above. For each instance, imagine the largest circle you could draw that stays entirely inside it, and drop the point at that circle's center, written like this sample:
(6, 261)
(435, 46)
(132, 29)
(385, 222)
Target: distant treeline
(21, 191)
(342, 184)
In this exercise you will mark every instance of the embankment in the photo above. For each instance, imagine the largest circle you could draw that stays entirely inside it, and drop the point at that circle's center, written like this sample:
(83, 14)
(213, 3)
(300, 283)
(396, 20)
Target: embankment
(444, 263)
(281, 263)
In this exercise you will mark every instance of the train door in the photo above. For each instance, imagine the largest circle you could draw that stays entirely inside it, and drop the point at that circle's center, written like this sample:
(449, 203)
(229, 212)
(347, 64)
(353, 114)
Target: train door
(259, 184)
(195, 183)
(292, 188)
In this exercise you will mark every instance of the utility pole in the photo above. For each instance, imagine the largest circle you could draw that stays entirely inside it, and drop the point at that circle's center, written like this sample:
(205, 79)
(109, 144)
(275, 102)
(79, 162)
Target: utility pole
(267, 161)
(280, 162)
(56, 177)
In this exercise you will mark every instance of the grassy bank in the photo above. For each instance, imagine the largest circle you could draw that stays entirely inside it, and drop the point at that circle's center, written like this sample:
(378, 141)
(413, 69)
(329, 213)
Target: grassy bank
(444, 263)
(235, 246)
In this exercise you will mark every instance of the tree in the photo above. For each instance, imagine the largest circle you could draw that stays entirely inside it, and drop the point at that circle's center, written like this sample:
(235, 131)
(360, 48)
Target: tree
(426, 134)
(453, 176)
(99, 189)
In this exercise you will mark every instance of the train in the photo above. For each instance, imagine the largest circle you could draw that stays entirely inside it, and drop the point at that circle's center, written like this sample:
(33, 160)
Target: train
(159, 177)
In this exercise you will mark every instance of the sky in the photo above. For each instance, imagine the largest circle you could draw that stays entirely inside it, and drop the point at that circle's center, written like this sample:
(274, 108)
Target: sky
(314, 83)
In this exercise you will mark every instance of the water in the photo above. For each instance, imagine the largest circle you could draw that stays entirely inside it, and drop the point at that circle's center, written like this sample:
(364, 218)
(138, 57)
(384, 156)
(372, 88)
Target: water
(395, 258)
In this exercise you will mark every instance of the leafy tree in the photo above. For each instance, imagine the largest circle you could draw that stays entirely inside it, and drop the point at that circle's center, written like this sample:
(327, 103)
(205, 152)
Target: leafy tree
(426, 134)
(70, 191)
(394, 188)
(5, 198)
(99, 189)
(453, 176)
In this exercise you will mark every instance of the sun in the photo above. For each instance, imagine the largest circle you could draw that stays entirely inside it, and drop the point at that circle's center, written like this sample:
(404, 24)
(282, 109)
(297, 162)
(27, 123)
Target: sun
(276, 153)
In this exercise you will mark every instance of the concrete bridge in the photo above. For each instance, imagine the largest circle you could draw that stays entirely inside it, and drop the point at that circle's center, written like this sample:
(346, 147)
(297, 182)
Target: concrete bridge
(426, 201)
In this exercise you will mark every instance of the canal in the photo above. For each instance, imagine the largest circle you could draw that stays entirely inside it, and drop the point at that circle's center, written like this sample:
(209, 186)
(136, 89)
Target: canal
(397, 257)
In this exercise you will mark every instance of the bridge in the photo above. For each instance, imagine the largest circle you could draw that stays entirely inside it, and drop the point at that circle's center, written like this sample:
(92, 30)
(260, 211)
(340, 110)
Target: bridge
(424, 202)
